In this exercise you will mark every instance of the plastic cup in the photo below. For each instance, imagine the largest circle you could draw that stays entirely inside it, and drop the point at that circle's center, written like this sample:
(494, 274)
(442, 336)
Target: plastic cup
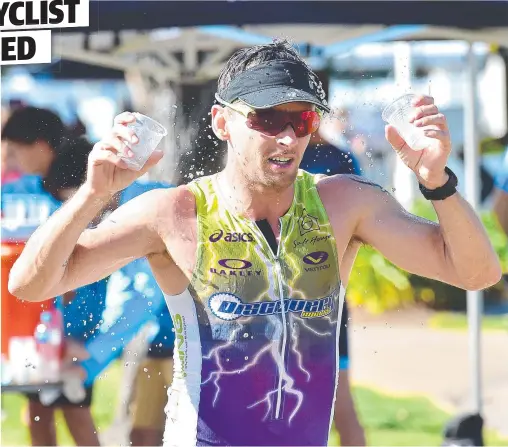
(150, 134)
(398, 114)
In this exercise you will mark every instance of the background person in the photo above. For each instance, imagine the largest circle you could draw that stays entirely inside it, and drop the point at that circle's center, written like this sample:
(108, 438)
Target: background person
(82, 308)
(153, 379)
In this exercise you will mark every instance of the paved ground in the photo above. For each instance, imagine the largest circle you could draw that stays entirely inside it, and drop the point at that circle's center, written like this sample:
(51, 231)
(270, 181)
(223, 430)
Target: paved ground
(406, 357)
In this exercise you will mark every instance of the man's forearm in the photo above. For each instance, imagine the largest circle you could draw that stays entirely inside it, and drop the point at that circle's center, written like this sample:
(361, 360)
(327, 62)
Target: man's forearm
(467, 244)
(43, 262)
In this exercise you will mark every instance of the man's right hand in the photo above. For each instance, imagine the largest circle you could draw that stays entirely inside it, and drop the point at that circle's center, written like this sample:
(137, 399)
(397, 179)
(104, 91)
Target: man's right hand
(107, 172)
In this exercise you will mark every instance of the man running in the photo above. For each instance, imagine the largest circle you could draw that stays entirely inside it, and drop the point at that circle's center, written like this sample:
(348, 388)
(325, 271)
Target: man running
(264, 249)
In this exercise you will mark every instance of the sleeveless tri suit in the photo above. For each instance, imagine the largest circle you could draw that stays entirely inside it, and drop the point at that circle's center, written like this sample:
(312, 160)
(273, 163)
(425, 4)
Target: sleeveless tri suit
(256, 352)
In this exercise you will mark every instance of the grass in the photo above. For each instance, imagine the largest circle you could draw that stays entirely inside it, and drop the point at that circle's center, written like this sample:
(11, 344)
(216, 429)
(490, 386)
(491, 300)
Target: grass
(458, 321)
(15, 412)
(388, 420)
(403, 421)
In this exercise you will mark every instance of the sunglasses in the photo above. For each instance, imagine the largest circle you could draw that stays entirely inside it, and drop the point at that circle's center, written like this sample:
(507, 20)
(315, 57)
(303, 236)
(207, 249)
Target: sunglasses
(271, 122)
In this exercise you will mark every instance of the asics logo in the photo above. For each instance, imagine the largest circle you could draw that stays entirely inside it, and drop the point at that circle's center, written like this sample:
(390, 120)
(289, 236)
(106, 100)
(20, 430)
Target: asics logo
(230, 236)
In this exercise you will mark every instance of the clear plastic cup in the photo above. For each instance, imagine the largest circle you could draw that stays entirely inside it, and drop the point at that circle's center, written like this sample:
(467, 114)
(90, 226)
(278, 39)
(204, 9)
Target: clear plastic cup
(150, 133)
(398, 114)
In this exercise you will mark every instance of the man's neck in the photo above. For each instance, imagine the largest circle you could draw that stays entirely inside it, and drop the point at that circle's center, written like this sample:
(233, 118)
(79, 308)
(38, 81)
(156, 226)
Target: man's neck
(251, 200)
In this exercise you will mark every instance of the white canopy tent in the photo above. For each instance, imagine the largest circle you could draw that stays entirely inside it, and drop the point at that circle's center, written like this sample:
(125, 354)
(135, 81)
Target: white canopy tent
(189, 56)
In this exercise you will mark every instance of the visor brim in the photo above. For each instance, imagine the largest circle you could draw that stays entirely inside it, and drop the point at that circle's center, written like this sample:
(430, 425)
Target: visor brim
(275, 96)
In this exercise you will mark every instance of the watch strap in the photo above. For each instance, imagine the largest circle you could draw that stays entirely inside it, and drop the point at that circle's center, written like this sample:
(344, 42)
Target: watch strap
(444, 191)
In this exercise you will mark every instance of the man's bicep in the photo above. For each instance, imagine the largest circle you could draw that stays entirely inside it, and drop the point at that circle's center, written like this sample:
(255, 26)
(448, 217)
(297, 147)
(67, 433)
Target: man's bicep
(408, 241)
(127, 234)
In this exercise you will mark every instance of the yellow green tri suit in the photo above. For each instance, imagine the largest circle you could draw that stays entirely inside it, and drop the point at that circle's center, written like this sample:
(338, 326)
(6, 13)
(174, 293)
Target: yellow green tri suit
(256, 357)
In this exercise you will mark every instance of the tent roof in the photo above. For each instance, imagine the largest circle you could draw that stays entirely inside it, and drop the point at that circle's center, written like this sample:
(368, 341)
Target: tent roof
(189, 41)
(150, 14)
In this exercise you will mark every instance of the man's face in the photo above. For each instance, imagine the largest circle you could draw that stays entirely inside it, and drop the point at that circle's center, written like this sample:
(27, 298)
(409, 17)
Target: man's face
(270, 161)
(29, 157)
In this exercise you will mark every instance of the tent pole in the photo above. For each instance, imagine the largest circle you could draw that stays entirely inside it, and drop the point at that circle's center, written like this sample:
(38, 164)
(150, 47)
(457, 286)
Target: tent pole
(472, 177)
(403, 178)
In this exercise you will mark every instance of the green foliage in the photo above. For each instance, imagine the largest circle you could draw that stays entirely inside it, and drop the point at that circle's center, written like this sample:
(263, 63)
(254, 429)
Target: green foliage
(491, 145)
(441, 296)
(497, 237)
(377, 284)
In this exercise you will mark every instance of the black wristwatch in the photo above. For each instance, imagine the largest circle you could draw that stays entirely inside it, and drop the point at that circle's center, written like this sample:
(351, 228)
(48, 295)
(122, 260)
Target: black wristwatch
(443, 192)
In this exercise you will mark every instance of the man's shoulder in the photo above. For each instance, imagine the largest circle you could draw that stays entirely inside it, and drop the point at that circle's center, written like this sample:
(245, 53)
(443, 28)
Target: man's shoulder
(347, 190)
(168, 194)
(347, 181)
(149, 200)
(347, 198)
(177, 203)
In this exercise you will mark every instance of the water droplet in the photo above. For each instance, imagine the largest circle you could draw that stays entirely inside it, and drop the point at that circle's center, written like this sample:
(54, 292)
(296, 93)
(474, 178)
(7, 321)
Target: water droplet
(145, 370)
(74, 359)
(37, 418)
(246, 358)
(246, 335)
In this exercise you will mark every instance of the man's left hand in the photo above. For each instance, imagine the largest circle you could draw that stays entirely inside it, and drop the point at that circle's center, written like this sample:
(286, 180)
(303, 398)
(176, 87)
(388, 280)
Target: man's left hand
(429, 163)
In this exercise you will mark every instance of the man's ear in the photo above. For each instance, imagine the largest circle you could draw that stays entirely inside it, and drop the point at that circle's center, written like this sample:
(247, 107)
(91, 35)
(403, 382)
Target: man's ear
(219, 122)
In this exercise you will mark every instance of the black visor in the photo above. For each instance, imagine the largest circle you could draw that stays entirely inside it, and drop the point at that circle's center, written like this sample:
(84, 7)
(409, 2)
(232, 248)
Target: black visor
(273, 83)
